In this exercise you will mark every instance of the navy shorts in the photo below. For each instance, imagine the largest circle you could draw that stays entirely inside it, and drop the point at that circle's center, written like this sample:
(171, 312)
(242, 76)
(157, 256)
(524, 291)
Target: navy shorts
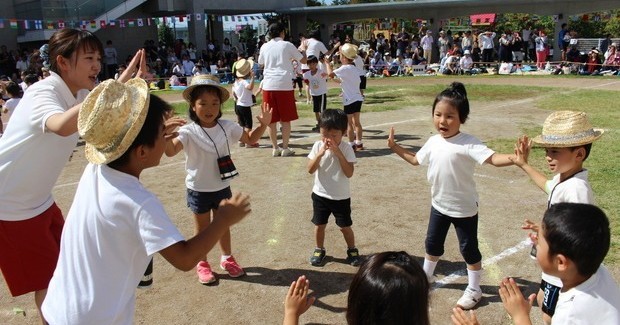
(244, 116)
(466, 232)
(323, 207)
(362, 82)
(354, 107)
(201, 202)
(319, 103)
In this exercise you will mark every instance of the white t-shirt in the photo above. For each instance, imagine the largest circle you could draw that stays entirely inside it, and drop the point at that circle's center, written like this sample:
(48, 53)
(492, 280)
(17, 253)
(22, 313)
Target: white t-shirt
(314, 47)
(359, 63)
(350, 77)
(596, 301)
(10, 106)
(573, 190)
(317, 82)
(276, 57)
(451, 165)
(203, 174)
(244, 95)
(329, 180)
(31, 157)
(113, 228)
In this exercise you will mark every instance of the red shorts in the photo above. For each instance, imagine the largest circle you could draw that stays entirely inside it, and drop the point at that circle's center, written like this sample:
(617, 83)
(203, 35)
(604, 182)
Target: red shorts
(29, 250)
(282, 102)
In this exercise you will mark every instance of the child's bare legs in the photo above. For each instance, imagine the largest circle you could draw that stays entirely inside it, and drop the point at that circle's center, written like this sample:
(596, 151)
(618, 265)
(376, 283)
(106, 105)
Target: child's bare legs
(203, 220)
(354, 131)
(349, 237)
(319, 235)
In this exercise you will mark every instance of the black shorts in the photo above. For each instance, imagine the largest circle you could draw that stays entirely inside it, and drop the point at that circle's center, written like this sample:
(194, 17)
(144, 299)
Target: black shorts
(299, 82)
(354, 107)
(319, 103)
(550, 297)
(362, 82)
(466, 232)
(323, 207)
(244, 116)
(201, 202)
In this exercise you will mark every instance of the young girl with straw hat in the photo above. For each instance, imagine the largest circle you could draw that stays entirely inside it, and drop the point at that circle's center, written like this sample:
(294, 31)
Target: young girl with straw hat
(206, 142)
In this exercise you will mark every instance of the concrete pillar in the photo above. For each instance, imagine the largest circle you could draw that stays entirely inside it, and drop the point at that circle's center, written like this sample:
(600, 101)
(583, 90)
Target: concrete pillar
(297, 24)
(218, 30)
(196, 28)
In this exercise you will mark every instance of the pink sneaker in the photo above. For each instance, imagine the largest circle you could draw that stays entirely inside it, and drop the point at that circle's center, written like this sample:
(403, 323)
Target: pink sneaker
(231, 266)
(205, 275)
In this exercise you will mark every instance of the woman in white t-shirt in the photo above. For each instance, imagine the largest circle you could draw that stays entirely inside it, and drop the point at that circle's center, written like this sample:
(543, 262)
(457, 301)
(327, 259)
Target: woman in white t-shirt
(451, 157)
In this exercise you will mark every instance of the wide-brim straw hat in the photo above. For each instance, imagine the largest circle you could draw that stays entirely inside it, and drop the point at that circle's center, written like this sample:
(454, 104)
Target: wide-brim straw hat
(563, 129)
(205, 80)
(243, 68)
(111, 117)
(349, 51)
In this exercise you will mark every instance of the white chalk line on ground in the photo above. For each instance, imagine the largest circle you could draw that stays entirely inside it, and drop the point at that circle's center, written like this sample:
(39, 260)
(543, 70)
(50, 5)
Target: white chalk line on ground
(489, 261)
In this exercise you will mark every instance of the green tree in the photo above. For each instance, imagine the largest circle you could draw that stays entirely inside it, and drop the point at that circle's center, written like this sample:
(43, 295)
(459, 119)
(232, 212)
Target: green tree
(613, 27)
(165, 35)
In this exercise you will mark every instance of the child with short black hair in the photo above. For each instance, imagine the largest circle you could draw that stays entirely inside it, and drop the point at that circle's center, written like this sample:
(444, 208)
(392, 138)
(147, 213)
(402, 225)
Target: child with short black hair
(331, 162)
(316, 79)
(115, 225)
(15, 93)
(571, 244)
(567, 138)
(451, 156)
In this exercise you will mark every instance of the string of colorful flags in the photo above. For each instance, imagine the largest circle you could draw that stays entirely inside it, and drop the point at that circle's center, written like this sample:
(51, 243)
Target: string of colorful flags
(39, 24)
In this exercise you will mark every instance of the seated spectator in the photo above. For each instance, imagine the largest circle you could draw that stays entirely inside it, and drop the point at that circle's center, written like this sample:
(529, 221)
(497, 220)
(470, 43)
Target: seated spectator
(450, 65)
(466, 63)
(612, 62)
(573, 54)
(593, 64)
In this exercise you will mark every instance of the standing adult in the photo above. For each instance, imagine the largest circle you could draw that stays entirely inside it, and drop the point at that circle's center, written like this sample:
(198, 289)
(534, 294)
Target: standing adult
(33, 151)
(541, 50)
(443, 44)
(110, 59)
(564, 40)
(526, 33)
(402, 40)
(427, 46)
(486, 44)
(276, 57)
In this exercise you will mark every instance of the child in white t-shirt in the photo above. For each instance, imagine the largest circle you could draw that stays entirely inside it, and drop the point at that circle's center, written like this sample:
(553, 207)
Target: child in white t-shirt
(571, 244)
(352, 98)
(242, 93)
(316, 79)
(331, 162)
(14, 91)
(206, 143)
(115, 225)
(451, 157)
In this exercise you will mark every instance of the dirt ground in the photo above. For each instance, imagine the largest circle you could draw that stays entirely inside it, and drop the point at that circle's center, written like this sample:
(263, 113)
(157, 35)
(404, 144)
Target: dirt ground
(390, 204)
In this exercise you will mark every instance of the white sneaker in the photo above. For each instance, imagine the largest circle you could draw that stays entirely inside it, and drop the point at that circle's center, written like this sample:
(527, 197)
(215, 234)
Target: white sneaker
(276, 152)
(287, 152)
(470, 298)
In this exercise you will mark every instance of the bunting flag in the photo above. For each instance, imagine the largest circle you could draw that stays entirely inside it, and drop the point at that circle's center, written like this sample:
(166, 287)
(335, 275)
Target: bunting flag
(198, 17)
(112, 23)
(149, 21)
(131, 23)
(189, 17)
(181, 18)
(38, 24)
(26, 24)
(61, 24)
(102, 23)
(1, 23)
(164, 19)
(93, 24)
(140, 22)
(121, 23)
(83, 24)
(13, 23)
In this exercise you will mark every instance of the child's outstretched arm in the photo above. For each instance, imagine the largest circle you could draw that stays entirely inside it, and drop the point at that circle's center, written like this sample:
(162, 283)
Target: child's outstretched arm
(297, 301)
(500, 160)
(515, 304)
(459, 317)
(264, 120)
(407, 155)
(185, 254)
(328, 67)
(522, 152)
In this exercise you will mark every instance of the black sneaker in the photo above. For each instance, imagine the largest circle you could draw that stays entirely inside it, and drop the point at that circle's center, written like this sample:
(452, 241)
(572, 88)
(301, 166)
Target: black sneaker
(316, 128)
(318, 256)
(353, 256)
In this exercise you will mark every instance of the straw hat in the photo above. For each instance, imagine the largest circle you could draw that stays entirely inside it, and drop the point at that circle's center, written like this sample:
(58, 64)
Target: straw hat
(242, 68)
(564, 129)
(206, 80)
(349, 51)
(111, 117)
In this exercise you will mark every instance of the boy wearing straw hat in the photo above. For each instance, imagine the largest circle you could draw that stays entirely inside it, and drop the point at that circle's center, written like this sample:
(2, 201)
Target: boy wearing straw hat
(567, 137)
(115, 225)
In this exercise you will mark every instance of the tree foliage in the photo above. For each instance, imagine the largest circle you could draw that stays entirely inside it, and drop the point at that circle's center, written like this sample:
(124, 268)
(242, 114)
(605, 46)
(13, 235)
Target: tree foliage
(165, 35)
